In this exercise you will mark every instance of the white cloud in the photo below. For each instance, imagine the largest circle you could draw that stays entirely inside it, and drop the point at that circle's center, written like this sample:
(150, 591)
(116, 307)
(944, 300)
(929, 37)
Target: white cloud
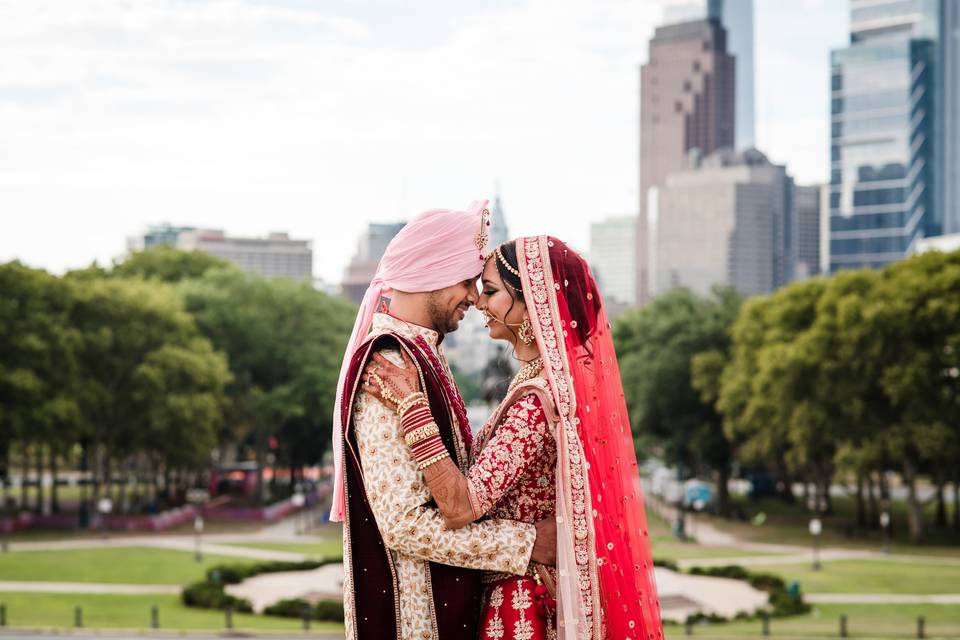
(254, 115)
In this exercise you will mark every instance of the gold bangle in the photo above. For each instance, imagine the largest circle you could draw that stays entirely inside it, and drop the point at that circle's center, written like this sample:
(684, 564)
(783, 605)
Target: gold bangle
(431, 460)
(420, 434)
(406, 405)
(412, 400)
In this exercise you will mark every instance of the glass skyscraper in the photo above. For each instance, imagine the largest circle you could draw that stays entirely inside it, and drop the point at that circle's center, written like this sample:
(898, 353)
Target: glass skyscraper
(887, 139)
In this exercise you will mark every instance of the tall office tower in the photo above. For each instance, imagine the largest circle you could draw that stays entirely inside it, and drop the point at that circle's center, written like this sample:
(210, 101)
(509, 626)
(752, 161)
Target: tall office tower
(686, 105)
(736, 16)
(363, 266)
(888, 161)
(950, 38)
(804, 235)
(722, 221)
(276, 256)
(613, 254)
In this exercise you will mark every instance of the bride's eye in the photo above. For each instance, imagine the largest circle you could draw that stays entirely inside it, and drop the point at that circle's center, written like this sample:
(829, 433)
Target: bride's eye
(488, 292)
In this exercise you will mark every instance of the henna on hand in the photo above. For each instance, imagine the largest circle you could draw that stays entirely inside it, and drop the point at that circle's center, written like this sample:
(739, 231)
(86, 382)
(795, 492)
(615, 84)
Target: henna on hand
(449, 489)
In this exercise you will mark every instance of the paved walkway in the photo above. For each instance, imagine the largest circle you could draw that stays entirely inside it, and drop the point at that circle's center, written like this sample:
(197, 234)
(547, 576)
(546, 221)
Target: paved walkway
(90, 587)
(682, 594)
(324, 583)
(882, 598)
(178, 543)
(825, 555)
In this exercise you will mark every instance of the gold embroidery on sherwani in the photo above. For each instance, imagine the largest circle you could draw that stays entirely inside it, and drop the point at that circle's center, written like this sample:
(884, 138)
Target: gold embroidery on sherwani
(414, 533)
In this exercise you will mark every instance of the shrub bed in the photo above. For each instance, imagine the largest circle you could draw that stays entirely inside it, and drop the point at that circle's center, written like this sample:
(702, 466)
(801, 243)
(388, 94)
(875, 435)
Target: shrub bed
(210, 594)
(329, 610)
(783, 601)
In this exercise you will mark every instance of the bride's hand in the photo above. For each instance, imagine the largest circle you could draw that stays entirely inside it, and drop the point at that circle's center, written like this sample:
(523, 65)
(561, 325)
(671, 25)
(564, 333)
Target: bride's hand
(389, 383)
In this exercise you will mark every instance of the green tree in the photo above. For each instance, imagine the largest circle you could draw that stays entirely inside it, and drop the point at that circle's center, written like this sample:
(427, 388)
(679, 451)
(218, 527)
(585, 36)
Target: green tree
(757, 394)
(915, 319)
(129, 329)
(38, 372)
(284, 341)
(167, 264)
(657, 347)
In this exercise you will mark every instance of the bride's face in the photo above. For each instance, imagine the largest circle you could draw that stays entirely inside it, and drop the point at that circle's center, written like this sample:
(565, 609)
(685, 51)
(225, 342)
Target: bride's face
(499, 305)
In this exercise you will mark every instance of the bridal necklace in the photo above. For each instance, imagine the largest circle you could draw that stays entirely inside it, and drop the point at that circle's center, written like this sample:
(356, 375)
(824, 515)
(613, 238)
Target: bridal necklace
(527, 372)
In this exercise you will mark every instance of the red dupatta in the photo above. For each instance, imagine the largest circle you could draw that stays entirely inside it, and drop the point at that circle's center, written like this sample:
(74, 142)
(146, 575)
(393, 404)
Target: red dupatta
(606, 585)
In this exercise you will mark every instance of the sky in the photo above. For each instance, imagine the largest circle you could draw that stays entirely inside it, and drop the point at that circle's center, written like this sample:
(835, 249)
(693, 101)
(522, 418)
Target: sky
(319, 117)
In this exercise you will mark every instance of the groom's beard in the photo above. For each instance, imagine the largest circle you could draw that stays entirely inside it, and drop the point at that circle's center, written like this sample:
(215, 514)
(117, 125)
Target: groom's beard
(443, 320)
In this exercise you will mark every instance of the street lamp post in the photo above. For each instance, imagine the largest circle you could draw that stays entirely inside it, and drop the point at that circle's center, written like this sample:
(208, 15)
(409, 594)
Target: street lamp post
(197, 497)
(885, 531)
(298, 500)
(104, 507)
(198, 530)
(816, 528)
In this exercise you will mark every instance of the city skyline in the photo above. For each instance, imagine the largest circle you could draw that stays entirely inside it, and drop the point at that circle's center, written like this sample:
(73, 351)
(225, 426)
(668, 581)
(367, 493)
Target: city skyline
(119, 118)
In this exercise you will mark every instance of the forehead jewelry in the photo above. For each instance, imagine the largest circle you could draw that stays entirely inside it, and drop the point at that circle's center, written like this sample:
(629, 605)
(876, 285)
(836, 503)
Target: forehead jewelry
(504, 262)
(484, 234)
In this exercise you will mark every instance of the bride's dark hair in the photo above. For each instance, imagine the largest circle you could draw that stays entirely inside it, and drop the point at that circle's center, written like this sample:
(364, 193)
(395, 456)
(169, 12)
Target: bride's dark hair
(509, 251)
(576, 275)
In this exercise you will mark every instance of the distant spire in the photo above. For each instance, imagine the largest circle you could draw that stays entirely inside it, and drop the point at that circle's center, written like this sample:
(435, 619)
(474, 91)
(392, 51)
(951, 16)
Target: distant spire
(498, 223)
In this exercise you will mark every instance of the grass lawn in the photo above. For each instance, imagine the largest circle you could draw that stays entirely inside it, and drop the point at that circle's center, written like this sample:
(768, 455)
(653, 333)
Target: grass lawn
(885, 622)
(666, 547)
(788, 524)
(871, 576)
(55, 610)
(673, 550)
(131, 565)
(323, 549)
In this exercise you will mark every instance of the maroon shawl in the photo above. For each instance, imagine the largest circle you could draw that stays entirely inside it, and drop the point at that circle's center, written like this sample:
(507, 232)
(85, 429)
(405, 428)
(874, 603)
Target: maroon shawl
(374, 574)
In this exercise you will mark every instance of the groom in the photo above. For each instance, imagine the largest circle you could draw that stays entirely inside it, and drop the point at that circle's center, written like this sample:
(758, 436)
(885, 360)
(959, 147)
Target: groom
(396, 549)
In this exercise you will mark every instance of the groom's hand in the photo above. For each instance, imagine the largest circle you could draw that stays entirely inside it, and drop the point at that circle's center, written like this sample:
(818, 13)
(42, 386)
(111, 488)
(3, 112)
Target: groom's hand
(545, 546)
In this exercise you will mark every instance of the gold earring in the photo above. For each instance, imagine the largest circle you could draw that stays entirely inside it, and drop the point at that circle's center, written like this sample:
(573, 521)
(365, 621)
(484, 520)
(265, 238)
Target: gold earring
(525, 332)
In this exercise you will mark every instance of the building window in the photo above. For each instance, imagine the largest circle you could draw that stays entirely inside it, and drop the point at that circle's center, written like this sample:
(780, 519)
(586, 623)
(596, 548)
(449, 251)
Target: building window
(696, 66)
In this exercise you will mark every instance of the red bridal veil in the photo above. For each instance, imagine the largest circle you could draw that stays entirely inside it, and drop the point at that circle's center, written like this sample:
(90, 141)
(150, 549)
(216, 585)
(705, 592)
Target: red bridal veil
(606, 586)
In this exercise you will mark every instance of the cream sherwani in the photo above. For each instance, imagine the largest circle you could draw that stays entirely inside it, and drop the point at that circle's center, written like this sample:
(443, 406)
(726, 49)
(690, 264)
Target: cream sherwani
(415, 534)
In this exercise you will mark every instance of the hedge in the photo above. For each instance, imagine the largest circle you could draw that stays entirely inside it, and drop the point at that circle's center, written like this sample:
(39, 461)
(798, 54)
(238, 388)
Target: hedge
(329, 610)
(210, 593)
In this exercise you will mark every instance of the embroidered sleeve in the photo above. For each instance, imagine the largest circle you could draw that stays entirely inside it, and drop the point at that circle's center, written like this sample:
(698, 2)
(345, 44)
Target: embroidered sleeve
(515, 444)
(398, 493)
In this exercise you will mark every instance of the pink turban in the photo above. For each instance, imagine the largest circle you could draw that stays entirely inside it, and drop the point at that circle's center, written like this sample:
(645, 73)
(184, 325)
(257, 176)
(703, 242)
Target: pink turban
(437, 249)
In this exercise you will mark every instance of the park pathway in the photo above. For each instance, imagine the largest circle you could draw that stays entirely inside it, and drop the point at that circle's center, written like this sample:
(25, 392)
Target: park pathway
(89, 587)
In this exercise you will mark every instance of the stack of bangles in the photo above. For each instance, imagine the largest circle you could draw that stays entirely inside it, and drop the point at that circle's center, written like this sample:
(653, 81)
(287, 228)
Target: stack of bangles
(420, 431)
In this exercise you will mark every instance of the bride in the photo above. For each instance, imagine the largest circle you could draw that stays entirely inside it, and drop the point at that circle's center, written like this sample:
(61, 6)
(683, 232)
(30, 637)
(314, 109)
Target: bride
(559, 444)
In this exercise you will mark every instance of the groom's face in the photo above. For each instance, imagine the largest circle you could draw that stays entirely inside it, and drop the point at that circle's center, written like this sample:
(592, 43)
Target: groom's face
(448, 306)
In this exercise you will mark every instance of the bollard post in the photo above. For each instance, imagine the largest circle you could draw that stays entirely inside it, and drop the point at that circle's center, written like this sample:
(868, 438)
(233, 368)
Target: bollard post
(305, 614)
(688, 627)
(765, 618)
(228, 612)
(154, 617)
(78, 617)
(920, 624)
(3, 615)
(843, 625)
